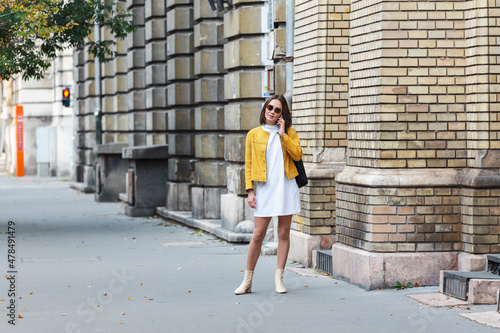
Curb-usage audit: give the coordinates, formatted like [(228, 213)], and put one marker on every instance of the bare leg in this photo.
[(284, 223), (259, 233)]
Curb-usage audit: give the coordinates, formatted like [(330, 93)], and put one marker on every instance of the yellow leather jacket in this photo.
[(255, 155)]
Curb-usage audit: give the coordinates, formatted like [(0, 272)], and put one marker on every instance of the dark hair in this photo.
[(285, 112)]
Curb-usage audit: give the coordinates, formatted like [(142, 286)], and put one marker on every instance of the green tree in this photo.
[(32, 31)]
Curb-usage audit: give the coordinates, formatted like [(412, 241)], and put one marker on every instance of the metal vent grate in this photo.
[(494, 264), (324, 261), (456, 286)]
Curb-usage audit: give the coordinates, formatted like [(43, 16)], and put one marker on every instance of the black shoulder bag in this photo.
[(301, 179)]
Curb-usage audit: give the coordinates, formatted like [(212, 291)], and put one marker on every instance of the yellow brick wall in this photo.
[(320, 100), (407, 105)]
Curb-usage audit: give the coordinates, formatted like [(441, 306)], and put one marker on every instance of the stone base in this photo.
[(483, 291), (382, 270), (472, 262), (233, 210), (82, 187), (212, 226), (302, 246), (206, 203), (178, 196), (139, 211), (88, 184)]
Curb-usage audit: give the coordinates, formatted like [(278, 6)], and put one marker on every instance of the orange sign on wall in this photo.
[(20, 141)]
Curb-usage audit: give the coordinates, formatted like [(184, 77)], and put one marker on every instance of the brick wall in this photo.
[(320, 99), (422, 76)]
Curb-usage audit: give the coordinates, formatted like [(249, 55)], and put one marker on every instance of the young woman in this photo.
[(270, 151)]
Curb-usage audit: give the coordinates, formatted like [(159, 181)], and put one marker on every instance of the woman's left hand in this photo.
[(281, 124)]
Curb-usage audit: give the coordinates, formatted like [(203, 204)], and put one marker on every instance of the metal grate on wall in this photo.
[(324, 261)]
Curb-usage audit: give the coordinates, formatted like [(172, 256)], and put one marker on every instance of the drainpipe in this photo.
[(290, 27), (97, 85)]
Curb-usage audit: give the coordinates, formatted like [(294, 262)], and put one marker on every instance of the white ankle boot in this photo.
[(246, 285), (278, 281)]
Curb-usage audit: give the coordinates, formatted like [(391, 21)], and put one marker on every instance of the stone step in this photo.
[(475, 287)]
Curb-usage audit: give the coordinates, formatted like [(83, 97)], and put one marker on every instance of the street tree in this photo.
[(33, 31)]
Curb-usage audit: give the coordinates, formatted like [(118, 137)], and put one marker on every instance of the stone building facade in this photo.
[(47, 124), (395, 103)]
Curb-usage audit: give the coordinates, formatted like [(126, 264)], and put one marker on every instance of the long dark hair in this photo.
[(285, 112)]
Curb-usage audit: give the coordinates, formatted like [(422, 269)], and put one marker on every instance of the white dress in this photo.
[(278, 195)]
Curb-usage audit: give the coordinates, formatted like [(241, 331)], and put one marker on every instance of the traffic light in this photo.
[(65, 97)]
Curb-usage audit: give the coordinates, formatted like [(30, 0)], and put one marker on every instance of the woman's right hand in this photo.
[(252, 201)]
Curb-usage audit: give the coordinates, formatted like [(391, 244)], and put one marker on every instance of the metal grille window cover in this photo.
[(456, 284), (324, 261), (494, 264)]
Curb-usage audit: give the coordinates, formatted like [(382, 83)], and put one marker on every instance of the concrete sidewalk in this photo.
[(83, 266)]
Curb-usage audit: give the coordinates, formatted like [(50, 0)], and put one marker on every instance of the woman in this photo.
[(270, 151)]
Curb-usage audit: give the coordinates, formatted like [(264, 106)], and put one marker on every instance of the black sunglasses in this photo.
[(271, 108)]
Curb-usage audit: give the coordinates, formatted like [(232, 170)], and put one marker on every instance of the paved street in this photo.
[(83, 266)]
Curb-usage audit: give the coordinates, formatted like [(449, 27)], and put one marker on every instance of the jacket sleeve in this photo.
[(291, 142), (248, 162)]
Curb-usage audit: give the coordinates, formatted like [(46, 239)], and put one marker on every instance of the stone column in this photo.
[(210, 169), (245, 26), (132, 125), (320, 99), (114, 92), (155, 119), (180, 103), (84, 120), (398, 205)]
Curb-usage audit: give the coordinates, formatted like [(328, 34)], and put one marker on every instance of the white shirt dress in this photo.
[(279, 195)]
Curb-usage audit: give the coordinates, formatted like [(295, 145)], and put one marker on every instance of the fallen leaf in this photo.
[(151, 299), (130, 298), (20, 297), (306, 286), (31, 293), (69, 286), (180, 268), (390, 314), (121, 323), (123, 313), (25, 310), (98, 306), (190, 291), (63, 314), (141, 284), (19, 316), (237, 302), (106, 294), (198, 259), (241, 270)]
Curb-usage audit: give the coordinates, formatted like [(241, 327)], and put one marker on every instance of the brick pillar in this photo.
[(180, 103), (480, 197), (209, 112), (398, 206), (320, 99)]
